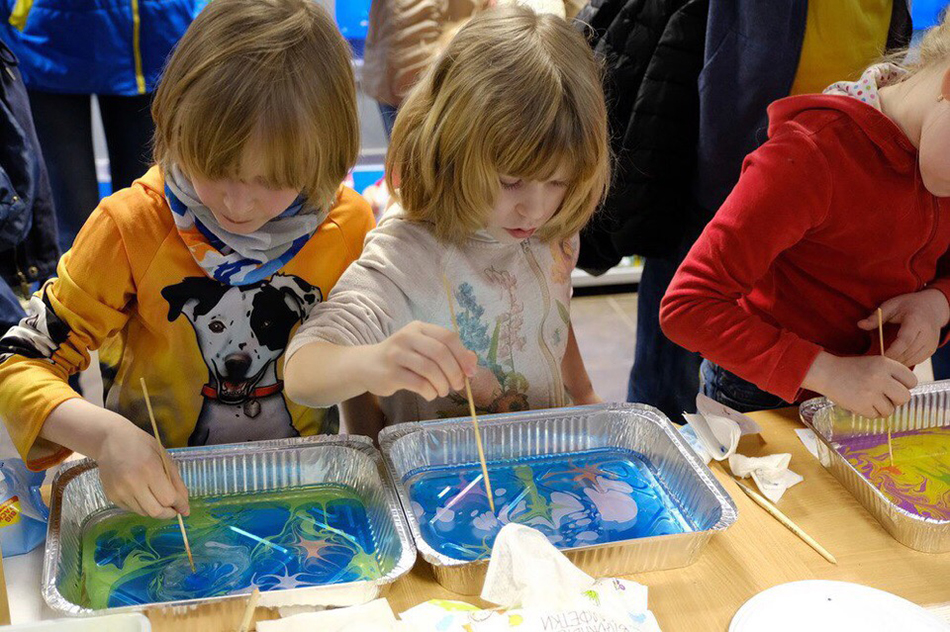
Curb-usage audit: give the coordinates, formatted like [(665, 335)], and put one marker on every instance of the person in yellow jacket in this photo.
[(195, 277)]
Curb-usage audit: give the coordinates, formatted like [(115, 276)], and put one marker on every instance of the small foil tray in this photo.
[(699, 496), (222, 470), (929, 407)]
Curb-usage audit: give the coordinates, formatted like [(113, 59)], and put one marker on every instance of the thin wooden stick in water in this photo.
[(776, 513), (249, 610), (471, 401), (880, 333), (165, 457)]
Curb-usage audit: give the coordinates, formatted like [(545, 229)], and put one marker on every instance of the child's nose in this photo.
[(531, 206), (237, 199)]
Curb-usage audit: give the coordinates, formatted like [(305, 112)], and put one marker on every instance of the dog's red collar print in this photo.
[(211, 392)]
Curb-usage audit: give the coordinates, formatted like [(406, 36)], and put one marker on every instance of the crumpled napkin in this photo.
[(539, 590), (770, 473), (714, 433), (528, 571), (719, 427)]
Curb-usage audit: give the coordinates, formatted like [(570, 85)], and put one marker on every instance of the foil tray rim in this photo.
[(363, 445), (729, 513), (818, 405)]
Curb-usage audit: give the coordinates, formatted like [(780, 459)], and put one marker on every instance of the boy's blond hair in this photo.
[(270, 75), (514, 93)]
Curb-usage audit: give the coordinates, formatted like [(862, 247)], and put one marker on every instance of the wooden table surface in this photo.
[(757, 552)]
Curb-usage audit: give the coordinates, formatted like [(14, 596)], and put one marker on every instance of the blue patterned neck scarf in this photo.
[(231, 258)]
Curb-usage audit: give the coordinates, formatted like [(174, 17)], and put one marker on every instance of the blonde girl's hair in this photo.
[(266, 76), (514, 93), (932, 51)]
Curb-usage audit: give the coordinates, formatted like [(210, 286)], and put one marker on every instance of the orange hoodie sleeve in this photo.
[(71, 315)]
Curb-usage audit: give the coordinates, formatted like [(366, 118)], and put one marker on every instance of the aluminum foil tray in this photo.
[(929, 407), (239, 469), (642, 429)]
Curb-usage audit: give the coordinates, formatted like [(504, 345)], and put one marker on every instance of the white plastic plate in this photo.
[(819, 605)]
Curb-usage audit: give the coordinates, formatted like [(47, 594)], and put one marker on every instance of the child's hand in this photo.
[(130, 467), (871, 386), (422, 358), (921, 316)]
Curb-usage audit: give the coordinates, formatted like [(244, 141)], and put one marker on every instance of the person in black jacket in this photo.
[(688, 84), (28, 244)]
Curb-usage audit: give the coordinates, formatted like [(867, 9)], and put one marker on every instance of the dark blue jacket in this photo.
[(752, 53), (113, 47), (688, 83), (28, 250)]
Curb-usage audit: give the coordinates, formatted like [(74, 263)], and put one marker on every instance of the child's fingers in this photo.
[(440, 353), (897, 394), (130, 503), (868, 323), (168, 496), (922, 349), (904, 375), (882, 408), (412, 381), (429, 369), (906, 338), (466, 359), (180, 503), (120, 502), (917, 356), (889, 310), (869, 407), (148, 499)]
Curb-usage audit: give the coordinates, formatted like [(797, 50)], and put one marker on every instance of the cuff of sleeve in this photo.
[(794, 364), (333, 337), (40, 454)]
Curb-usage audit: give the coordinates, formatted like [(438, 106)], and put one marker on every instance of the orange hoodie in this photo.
[(211, 354)]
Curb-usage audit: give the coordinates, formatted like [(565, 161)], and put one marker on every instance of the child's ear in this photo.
[(945, 86)]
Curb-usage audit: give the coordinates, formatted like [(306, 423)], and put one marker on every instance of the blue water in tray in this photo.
[(576, 499), (308, 536)]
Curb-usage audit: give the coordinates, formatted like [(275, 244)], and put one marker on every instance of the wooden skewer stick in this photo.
[(776, 513), (249, 610), (165, 458), (471, 401), (880, 333)]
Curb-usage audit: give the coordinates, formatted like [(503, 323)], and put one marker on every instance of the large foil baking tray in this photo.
[(929, 407), (216, 471), (644, 430)]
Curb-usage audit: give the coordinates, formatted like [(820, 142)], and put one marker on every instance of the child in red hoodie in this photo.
[(842, 211)]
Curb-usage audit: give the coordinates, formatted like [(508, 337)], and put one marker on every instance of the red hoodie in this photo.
[(829, 219)]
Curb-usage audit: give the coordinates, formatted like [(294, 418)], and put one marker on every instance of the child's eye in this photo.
[(558, 183), (511, 185), (270, 186)]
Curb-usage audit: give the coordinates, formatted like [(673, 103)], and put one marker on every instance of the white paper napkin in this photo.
[(770, 473), (526, 570)]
